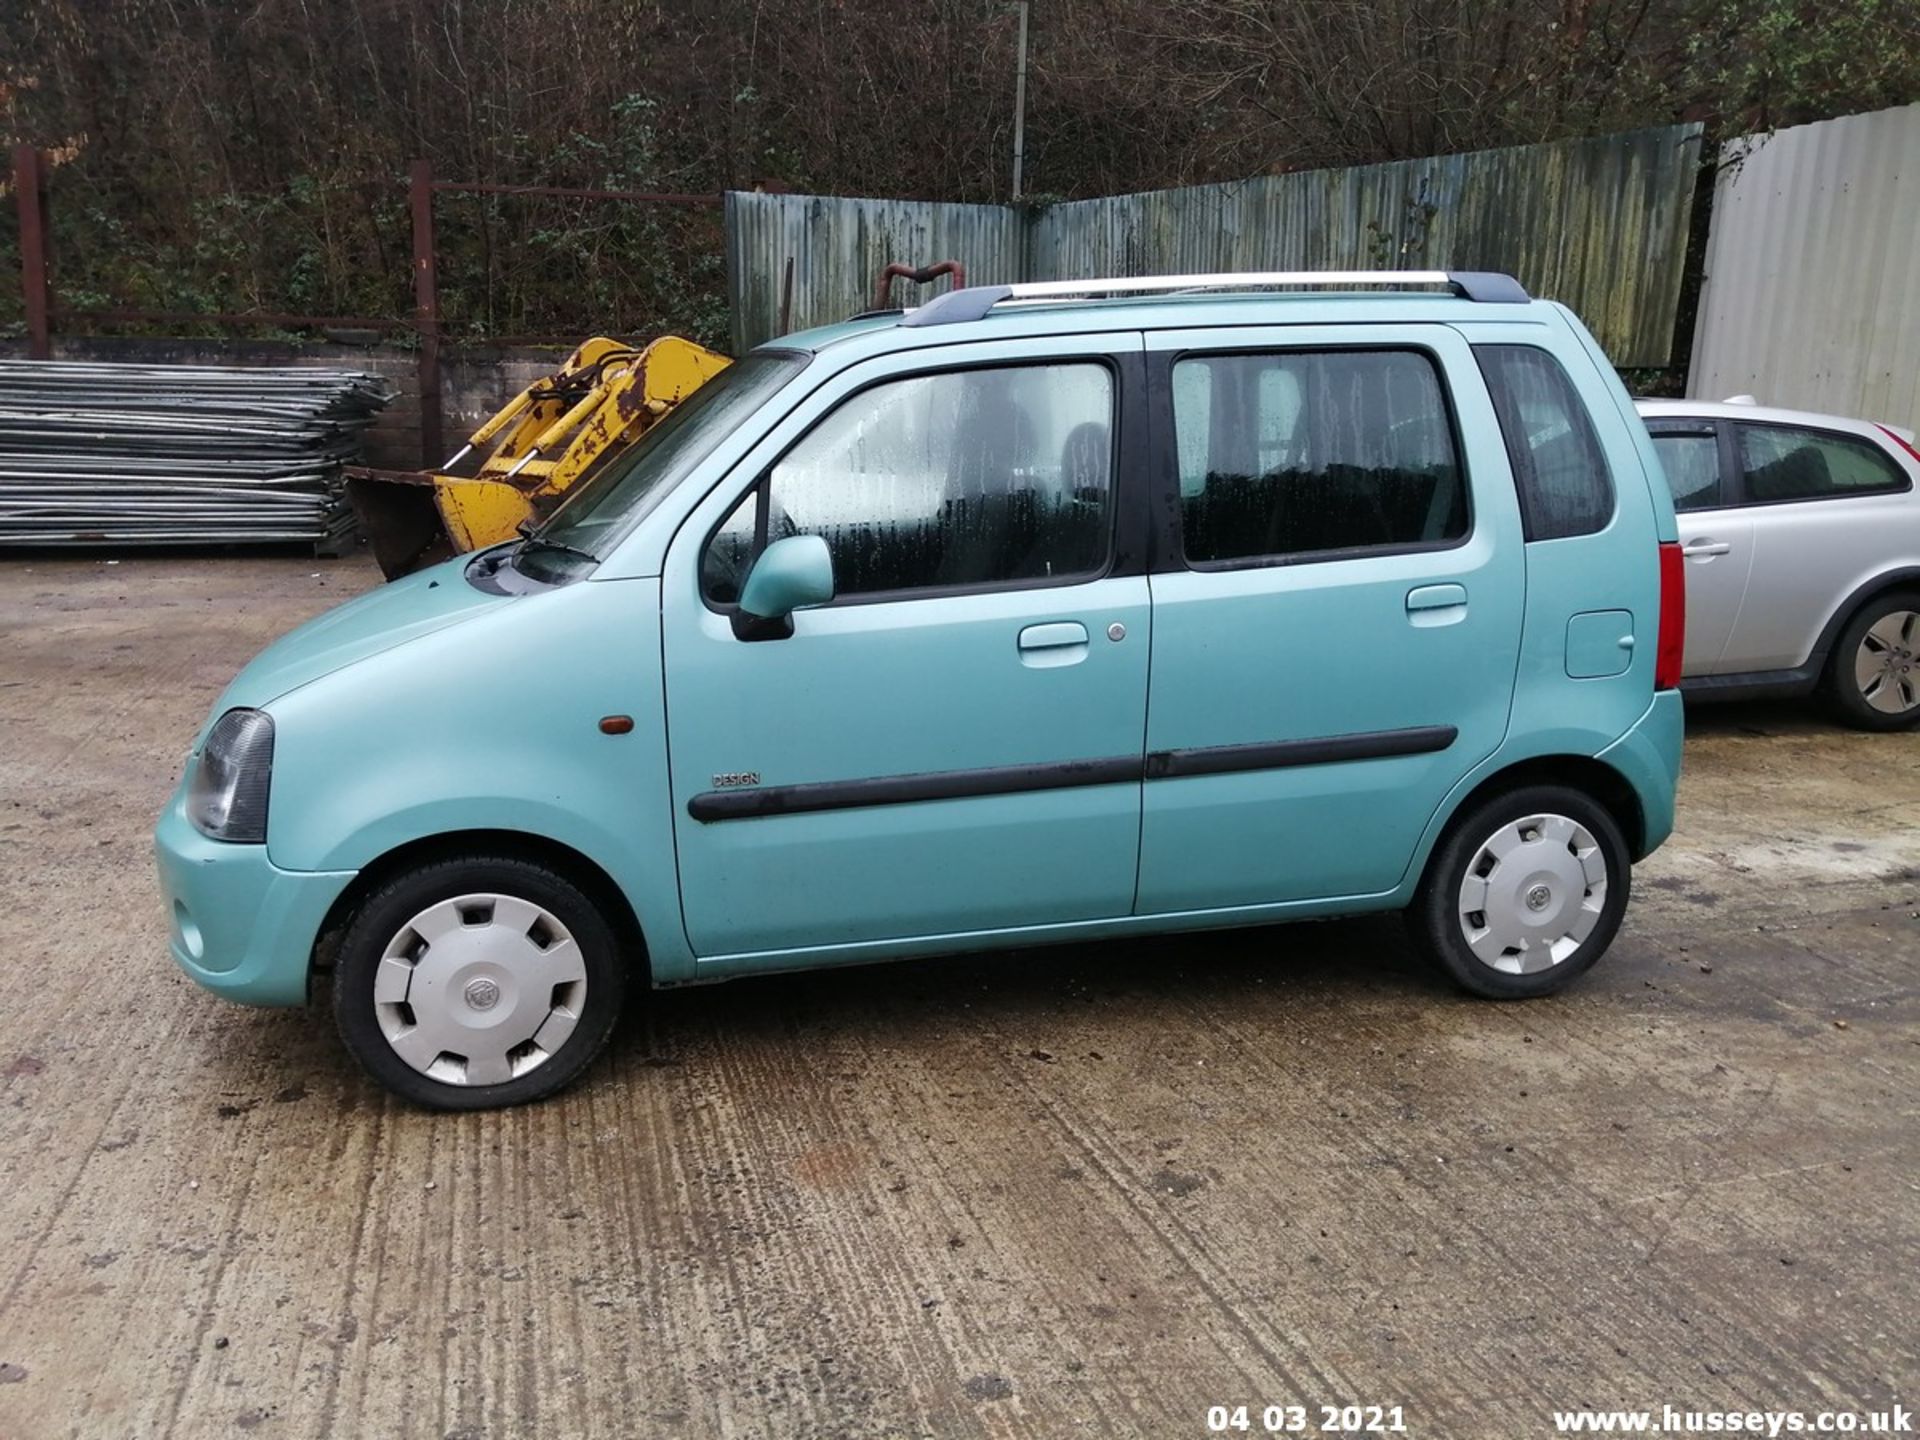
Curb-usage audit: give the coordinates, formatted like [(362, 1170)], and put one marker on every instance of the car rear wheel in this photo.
[(475, 983), (1524, 893), (1873, 678)]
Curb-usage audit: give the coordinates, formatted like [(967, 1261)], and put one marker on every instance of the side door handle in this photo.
[(1064, 642), (1706, 549), (1429, 605), (1052, 637)]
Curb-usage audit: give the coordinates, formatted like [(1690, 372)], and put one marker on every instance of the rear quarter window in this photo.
[(1781, 462), (1558, 465)]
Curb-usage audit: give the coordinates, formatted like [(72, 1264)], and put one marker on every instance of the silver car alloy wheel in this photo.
[(1886, 667), (1532, 894), (479, 989)]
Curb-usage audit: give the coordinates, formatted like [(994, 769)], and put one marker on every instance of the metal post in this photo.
[(1020, 106), (27, 192), (426, 313)]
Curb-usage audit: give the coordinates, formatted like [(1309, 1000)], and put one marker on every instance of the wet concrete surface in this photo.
[(1079, 1191)]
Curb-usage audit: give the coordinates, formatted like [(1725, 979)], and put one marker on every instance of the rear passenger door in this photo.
[(1337, 596)]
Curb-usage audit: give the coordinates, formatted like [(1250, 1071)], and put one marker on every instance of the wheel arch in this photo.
[(1906, 577), (1596, 778), (577, 866)]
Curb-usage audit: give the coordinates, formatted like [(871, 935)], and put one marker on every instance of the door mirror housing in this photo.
[(790, 575)]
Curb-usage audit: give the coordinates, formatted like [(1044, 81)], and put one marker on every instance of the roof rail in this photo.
[(1485, 286)]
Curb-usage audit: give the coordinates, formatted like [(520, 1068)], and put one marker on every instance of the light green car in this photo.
[(1018, 618)]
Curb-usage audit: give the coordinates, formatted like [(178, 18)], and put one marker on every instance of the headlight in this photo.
[(227, 797)]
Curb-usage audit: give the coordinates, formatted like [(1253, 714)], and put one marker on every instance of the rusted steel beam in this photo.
[(507, 342), (230, 319), (29, 197), (426, 310), (648, 197), (924, 275)]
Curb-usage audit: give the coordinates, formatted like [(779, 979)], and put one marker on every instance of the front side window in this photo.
[(1558, 465), (1304, 452), (1782, 463), (1691, 460), (961, 479)]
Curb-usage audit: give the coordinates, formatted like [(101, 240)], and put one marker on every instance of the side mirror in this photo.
[(790, 575)]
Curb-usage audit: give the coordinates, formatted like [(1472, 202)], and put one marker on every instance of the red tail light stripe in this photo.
[(1670, 651), (1894, 435)]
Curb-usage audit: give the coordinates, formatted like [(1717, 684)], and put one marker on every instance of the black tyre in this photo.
[(1873, 675), (475, 983), (1523, 893)]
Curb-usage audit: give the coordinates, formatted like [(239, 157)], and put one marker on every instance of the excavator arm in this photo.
[(537, 447)]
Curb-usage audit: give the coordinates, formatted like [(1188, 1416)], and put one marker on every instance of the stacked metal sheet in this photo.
[(113, 455)]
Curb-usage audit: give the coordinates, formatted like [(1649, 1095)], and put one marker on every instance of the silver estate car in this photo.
[(1802, 542)]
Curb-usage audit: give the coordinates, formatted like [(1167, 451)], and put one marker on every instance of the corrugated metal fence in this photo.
[(1601, 224), (1812, 293), (839, 246)]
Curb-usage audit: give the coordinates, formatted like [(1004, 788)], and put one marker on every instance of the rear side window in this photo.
[(1783, 463), (1303, 452), (1691, 460), (1557, 461), (956, 480)]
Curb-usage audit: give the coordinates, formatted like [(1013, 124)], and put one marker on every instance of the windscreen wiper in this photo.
[(528, 538)]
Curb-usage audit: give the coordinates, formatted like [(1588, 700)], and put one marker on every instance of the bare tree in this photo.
[(225, 154)]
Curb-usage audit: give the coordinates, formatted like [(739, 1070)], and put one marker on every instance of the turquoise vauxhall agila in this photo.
[(1039, 613)]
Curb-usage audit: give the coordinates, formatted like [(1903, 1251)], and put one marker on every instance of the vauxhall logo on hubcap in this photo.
[(483, 994)]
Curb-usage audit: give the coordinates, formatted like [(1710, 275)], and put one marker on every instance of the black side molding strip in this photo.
[(1283, 754), (904, 789), (748, 803)]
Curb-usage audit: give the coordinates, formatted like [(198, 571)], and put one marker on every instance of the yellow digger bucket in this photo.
[(542, 443)]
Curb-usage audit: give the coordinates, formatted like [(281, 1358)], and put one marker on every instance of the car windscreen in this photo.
[(605, 507)]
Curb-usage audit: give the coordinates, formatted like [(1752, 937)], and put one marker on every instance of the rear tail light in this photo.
[(1670, 650), (1898, 439)]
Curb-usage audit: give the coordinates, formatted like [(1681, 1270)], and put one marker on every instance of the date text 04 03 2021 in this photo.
[(1307, 1419)]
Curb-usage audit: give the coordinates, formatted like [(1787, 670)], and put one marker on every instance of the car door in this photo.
[(1829, 511), (953, 745), (1337, 613), (1716, 536)]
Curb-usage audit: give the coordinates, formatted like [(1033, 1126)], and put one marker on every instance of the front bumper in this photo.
[(238, 924), (1649, 756)]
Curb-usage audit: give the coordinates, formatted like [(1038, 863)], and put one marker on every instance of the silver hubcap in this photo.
[(1533, 893), (480, 989), (1887, 665)]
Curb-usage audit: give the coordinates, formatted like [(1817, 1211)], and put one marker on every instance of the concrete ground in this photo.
[(1085, 1191)]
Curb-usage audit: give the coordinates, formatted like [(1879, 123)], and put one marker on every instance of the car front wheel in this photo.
[(474, 983), (1524, 892)]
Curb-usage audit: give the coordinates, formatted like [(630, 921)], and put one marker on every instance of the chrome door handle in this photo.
[(1052, 637), (1706, 549)]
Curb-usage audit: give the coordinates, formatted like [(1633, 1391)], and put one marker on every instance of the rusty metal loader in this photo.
[(542, 443)]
